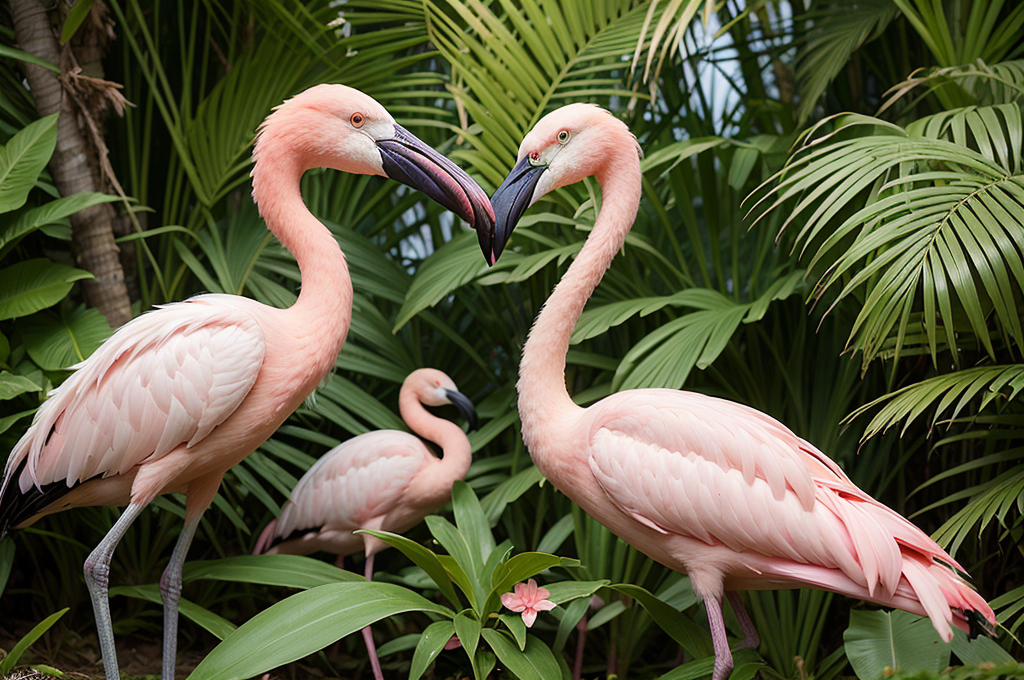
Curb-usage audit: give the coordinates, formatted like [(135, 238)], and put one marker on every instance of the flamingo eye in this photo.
[(437, 383), (563, 136), (357, 120), (535, 155)]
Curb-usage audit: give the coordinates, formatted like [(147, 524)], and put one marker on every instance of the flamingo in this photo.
[(387, 480), (707, 487), (177, 396)]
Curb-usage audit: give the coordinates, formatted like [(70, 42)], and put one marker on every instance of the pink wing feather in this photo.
[(363, 478), (687, 464), (166, 378)]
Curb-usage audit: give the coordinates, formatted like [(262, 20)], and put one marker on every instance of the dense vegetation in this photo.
[(832, 231)]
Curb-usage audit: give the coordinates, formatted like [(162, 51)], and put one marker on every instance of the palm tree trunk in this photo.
[(74, 166)]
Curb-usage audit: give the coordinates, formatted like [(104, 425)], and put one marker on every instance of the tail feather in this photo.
[(19, 508)]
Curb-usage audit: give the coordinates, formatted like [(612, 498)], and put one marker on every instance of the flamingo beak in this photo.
[(408, 160), (465, 406), (510, 201)]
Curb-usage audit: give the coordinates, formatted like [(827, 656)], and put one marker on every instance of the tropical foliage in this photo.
[(832, 231)]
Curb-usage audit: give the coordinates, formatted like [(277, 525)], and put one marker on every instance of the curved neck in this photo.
[(325, 296), (455, 448), (543, 398)]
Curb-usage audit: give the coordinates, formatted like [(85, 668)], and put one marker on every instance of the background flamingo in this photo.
[(384, 480), (179, 395), (710, 488)]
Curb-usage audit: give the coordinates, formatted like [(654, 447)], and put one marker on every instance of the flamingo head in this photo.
[(335, 126), (434, 388), (564, 147)]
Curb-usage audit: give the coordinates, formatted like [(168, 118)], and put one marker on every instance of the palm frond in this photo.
[(936, 227), (837, 32), (957, 390), (982, 84)]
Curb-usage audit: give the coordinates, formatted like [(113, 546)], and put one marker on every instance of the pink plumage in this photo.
[(182, 393), (710, 488), (384, 480)]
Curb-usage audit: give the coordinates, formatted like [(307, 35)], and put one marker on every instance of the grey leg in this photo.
[(367, 633), (97, 579), (751, 640), (723, 657), (170, 593)]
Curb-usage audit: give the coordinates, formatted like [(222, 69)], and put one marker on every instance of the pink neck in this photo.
[(325, 297), (455, 447), (543, 398)]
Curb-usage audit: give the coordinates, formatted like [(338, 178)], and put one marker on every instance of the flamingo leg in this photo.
[(751, 640), (97, 579), (723, 657), (577, 666), (367, 633), (170, 593)]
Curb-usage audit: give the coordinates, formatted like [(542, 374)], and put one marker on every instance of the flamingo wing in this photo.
[(363, 478), (712, 470), (166, 378)]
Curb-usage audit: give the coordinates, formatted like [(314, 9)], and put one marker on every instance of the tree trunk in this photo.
[(74, 166)]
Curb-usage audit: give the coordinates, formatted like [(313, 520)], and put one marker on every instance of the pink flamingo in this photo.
[(178, 395), (710, 488), (385, 480)]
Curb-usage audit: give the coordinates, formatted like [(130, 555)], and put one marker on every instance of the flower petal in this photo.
[(544, 606), (529, 616)]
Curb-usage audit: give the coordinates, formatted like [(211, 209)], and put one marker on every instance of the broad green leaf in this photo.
[(468, 629), (535, 662), (693, 638), (287, 571), (58, 341), (217, 625), (47, 214), (12, 385), (433, 640), (9, 661), (980, 650), (520, 568), (494, 503), (425, 559), (7, 421), (305, 623), (879, 643), (463, 556), (22, 159), (31, 285), (563, 592), (516, 626)]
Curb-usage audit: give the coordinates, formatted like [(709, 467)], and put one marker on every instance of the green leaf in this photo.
[(693, 638), (535, 662), (305, 623), (433, 640), (24, 643), (468, 629), (22, 159), (54, 212), (879, 643), (702, 668), (518, 569), (462, 555), (12, 53), (75, 17), (6, 561), (215, 624), (563, 592), (979, 650), (516, 626), (12, 385), (425, 559), (455, 264), (286, 571), (56, 342), (32, 285), (472, 523), (7, 421)]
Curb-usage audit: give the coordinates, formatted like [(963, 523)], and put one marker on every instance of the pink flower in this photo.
[(528, 599)]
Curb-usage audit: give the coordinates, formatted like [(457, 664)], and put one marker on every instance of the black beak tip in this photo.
[(465, 406)]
